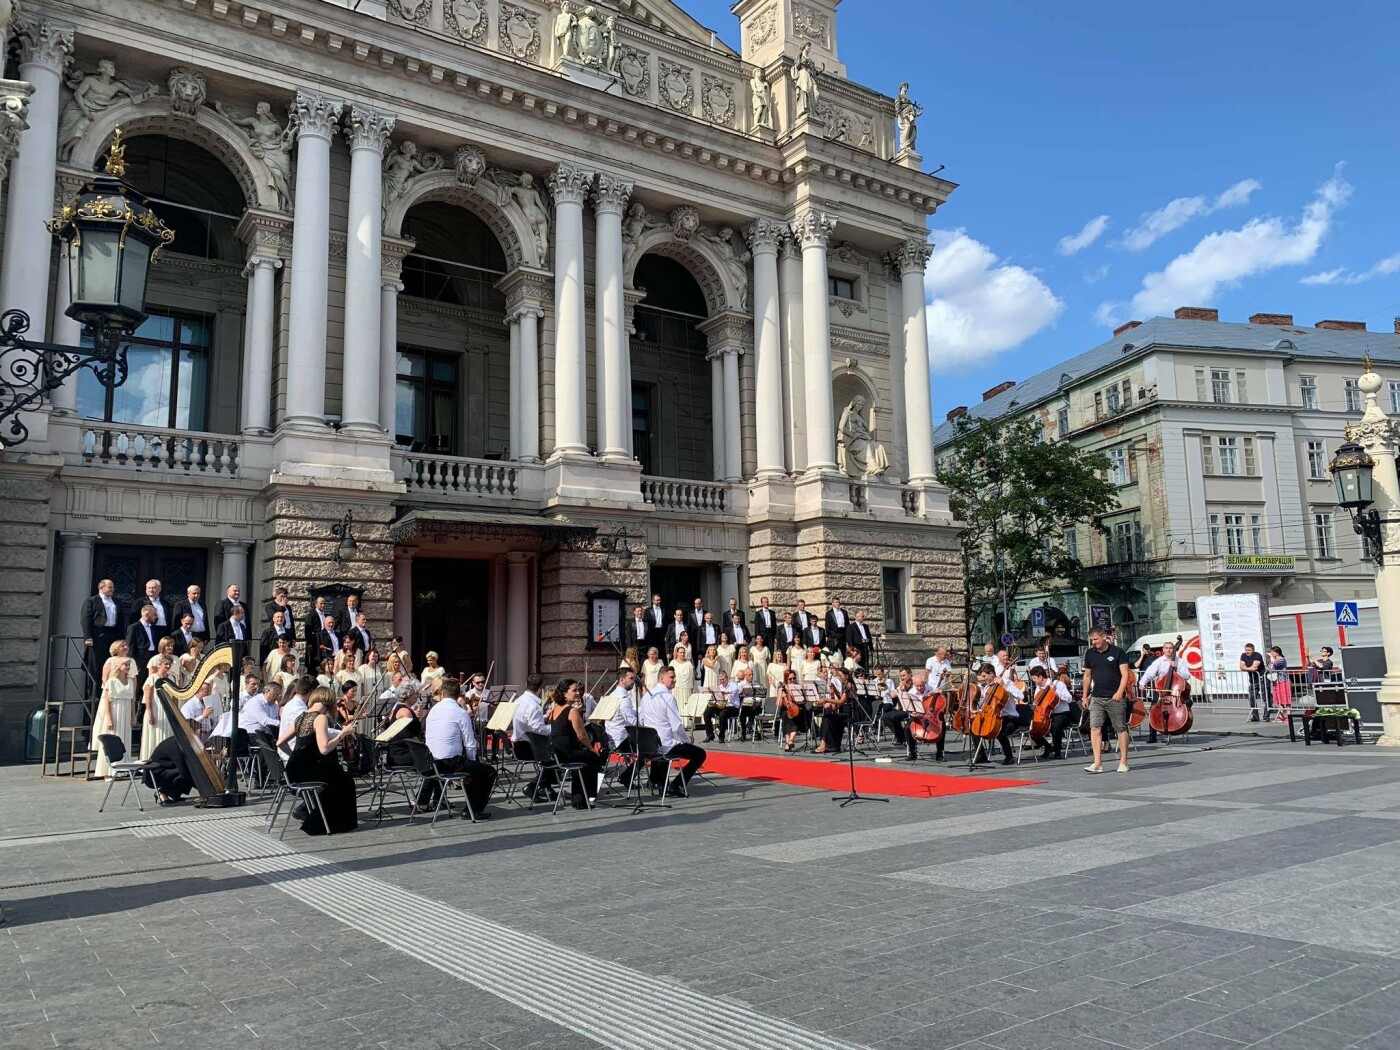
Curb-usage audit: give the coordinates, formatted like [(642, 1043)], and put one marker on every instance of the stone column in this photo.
[(794, 371), (569, 186), (717, 420), (812, 231), (403, 595), (315, 117), (530, 318), (236, 570), (367, 133), (912, 258), (392, 254), (728, 583), (517, 617), (763, 237), (45, 46), (259, 338), (513, 321), (611, 346), (733, 423), (76, 583)]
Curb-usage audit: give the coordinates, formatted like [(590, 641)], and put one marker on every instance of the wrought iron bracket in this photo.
[(30, 371), (1369, 526)]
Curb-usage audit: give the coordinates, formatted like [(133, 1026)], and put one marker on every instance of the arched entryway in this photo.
[(453, 367), (672, 400)]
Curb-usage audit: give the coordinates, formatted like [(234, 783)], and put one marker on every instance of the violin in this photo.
[(1044, 704), (1170, 715), (986, 723), (791, 707)]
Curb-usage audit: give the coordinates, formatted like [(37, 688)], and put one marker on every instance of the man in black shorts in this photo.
[(1105, 690)]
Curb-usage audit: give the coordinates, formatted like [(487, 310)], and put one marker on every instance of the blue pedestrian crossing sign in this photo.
[(1347, 615)]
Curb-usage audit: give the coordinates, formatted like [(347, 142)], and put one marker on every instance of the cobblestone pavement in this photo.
[(1235, 892)]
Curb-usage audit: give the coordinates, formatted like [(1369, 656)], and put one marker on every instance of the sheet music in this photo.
[(389, 732), (502, 717), (695, 705), (908, 702), (606, 709)]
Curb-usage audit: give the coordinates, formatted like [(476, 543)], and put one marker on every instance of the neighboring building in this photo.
[(1219, 436), (554, 301)]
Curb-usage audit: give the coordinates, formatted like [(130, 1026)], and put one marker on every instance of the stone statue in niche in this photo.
[(94, 94), (762, 101), (857, 452), (526, 197), (906, 115), (565, 31), (271, 143), (804, 79), (401, 165), (614, 44)]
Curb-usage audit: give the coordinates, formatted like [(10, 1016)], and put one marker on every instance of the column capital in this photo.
[(610, 194), (315, 115), (912, 256), (728, 331), (525, 286), (265, 234), (236, 545), (78, 539), (812, 229), (14, 108), (44, 42), (569, 184), (765, 235), (527, 310), (368, 128), (256, 260), (519, 557), (392, 252)]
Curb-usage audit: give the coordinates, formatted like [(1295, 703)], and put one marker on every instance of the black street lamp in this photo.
[(111, 238), (341, 531), (1353, 474)]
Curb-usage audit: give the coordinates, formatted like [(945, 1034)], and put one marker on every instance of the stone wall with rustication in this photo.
[(24, 580)]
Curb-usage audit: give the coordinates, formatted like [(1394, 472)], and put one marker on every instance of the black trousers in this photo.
[(593, 764), (481, 778), (1010, 726), (694, 757), (833, 729), (1058, 725), (748, 718), (897, 722), (725, 716)]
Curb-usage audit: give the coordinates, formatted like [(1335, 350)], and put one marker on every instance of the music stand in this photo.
[(853, 795), (811, 701)]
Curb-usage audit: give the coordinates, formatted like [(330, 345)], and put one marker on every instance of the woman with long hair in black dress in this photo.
[(317, 758), (568, 736)]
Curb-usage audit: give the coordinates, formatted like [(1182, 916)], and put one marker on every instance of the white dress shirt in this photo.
[(110, 607), (937, 670), (710, 634), (160, 610), (255, 713), (658, 616), (1012, 695), (287, 717), (1161, 666), (1060, 690), (626, 715), (660, 711), (839, 616), (449, 731), (529, 717), (639, 629), (236, 626), (737, 634), (197, 611), (1048, 663)]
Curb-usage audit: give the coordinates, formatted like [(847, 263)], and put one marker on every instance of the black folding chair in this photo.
[(306, 792), (567, 771), (133, 772), (428, 770)]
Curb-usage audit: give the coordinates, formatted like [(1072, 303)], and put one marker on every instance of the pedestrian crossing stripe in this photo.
[(1347, 614)]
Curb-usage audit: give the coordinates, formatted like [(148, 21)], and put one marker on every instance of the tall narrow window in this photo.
[(167, 381), (1072, 543), (1127, 386), (1324, 539), (427, 396), (1111, 395), (1220, 385), (1317, 460), (1394, 388), (1353, 395), (1256, 531), (643, 430), (893, 586), (1200, 384), (1062, 422), (1098, 404), (1228, 452), (1118, 466), (1234, 534), (1307, 391), (1215, 544), (1241, 395)]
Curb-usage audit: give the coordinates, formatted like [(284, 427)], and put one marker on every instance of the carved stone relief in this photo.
[(675, 83), (188, 90), (402, 165), (271, 142), (466, 18), (763, 26), (520, 31), (810, 23), (685, 221), (634, 67), (91, 95), (418, 12), (469, 162), (717, 101)]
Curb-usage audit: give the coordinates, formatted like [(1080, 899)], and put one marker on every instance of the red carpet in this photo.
[(877, 780)]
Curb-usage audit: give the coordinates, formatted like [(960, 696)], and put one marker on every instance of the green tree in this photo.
[(1017, 495)]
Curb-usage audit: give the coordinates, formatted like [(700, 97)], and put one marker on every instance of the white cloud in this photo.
[(1092, 231), (978, 305), (1389, 265), (1109, 314), (1225, 258), (1095, 276), (1155, 225)]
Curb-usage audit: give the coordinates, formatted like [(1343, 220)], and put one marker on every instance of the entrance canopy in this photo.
[(422, 523)]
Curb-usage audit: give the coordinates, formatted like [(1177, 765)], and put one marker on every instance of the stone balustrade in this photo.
[(159, 449), (710, 497), (458, 475)]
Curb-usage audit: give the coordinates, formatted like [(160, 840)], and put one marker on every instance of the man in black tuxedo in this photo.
[(765, 621), (327, 642), (657, 619), (142, 637), (836, 623), (732, 611), (788, 635), (165, 615), (802, 619), (814, 637), (184, 635), (311, 628), (235, 628), (349, 616), (101, 625), (695, 619), (673, 635), (192, 605), (231, 600), (638, 632), (364, 641), (280, 604), (708, 634), (858, 634), (280, 627), (738, 633)]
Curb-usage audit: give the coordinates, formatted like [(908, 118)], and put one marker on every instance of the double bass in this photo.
[(1170, 715)]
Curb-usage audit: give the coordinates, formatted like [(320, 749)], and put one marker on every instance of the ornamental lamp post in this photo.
[(111, 237), (1364, 473)]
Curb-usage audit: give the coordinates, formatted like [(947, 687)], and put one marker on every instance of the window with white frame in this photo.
[(1062, 422), (1227, 452), (1317, 460), (1220, 385), (1072, 543), (1324, 538), (1353, 395), (1394, 389), (1118, 466), (1227, 534), (1241, 394), (1125, 541), (1256, 532), (1115, 403), (1228, 455), (1307, 390)]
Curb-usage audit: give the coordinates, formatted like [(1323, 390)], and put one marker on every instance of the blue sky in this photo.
[(1118, 160)]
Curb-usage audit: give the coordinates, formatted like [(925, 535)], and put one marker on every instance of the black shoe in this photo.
[(1254, 716), (721, 740), (480, 816), (1008, 761), (983, 761), (938, 756), (1151, 738), (677, 787), (710, 739)]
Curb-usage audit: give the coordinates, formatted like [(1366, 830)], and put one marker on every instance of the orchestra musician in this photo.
[(568, 736), (727, 714), (939, 666), (896, 719), (794, 714), (750, 707), (624, 716), (987, 678), (658, 710), (316, 758), (1168, 665), (451, 739), (1061, 715), (835, 707)]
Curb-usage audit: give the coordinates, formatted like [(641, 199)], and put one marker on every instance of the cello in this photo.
[(1044, 704), (1170, 715), (986, 723), (927, 727), (962, 713), (1137, 710)]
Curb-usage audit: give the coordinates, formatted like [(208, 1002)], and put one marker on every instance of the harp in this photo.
[(208, 781)]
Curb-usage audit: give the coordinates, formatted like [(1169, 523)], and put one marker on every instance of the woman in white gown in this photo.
[(709, 668), (776, 672), (759, 655), (115, 712), (120, 655), (741, 663), (651, 667), (725, 652), (811, 669), (189, 662), (432, 671), (155, 726), (685, 677)]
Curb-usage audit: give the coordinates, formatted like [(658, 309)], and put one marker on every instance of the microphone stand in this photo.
[(853, 796)]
